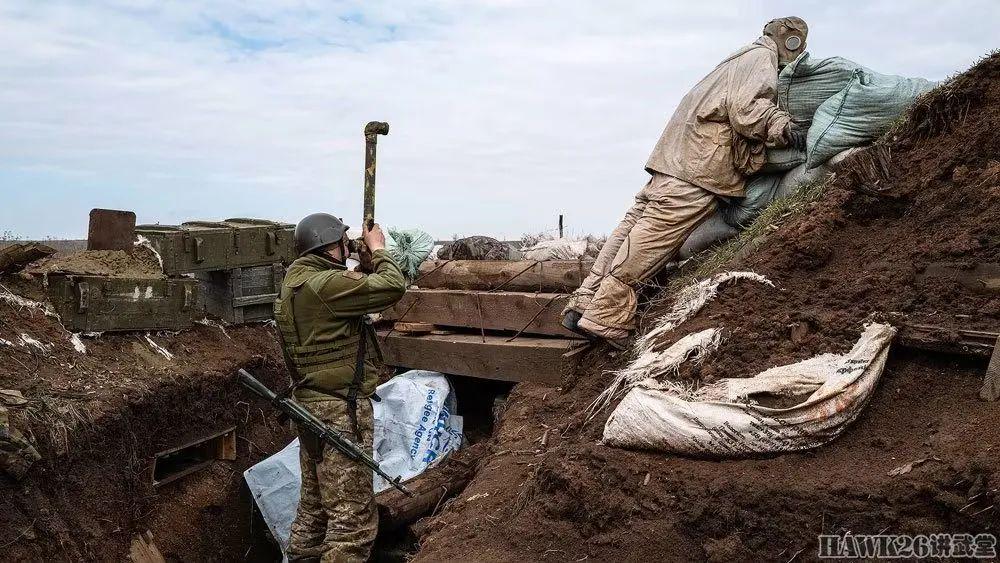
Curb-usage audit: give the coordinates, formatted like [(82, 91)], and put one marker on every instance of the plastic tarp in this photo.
[(415, 427), (409, 248), (864, 109), (721, 421)]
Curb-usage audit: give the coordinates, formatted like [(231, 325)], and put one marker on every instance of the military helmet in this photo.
[(316, 231)]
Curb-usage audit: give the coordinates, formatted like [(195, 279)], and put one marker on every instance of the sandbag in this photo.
[(782, 160), (798, 178), (556, 249), (408, 248), (478, 248), (805, 83), (720, 421), (760, 189), (864, 109), (710, 232)]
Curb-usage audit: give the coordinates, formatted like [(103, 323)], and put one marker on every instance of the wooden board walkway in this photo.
[(530, 313), (541, 360)]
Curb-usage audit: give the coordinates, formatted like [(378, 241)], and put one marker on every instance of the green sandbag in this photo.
[(409, 248), (865, 108), (782, 160), (760, 190), (805, 83)]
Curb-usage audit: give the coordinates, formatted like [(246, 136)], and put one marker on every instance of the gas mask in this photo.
[(790, 36)]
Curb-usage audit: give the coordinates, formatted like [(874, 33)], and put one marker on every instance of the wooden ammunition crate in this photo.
[(242, 295), (201, 246), (100, 303)]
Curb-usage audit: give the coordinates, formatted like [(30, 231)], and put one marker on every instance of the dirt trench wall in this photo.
[(98, 417)]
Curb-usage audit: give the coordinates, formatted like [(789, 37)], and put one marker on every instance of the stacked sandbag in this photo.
[(805, 83), (409, 248), (864, 109)]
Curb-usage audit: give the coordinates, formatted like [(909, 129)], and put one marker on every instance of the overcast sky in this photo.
[(503, 113)]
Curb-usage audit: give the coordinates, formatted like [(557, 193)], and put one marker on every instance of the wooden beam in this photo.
[(518, 275), (430, 489), (540, 360), (951, 341), (532, 313)]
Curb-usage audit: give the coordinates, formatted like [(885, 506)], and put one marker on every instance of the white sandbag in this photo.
[(415, 428), (712, 231), (864, 109), (415, 424), (556, 249), (805, 83), (409, 248), (710, 423)]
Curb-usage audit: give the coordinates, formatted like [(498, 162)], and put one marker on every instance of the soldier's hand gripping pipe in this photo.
[(306, 420)]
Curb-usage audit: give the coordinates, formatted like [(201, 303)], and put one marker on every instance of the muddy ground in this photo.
[(100, 417), (925, 194)]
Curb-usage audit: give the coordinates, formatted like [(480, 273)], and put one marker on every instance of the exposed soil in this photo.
[(923, 196), (140, 262), (99, 418)]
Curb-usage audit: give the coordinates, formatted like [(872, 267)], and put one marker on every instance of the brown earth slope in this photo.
[(924, 194), (99, 417)]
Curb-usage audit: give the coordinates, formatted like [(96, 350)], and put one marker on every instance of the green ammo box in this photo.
[(241, 295), (202, 246), (100, 303)]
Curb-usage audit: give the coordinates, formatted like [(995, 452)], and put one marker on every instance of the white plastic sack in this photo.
[(711, 424), (414, 429), (415, 424), (782, 160), (556, 249)]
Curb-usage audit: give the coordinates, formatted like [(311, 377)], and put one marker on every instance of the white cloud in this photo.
[(503, 113)]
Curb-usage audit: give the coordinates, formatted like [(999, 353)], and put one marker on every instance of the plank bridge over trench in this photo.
[(507, 333)]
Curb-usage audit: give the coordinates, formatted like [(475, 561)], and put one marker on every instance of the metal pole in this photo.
[(560, 226)]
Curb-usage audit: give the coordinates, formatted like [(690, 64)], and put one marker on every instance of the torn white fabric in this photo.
[(78, 344), (29, 341), (214, 324), (159, 349), (692, 299), (653, 364), (19, 301), (144, 243), (656, 418)]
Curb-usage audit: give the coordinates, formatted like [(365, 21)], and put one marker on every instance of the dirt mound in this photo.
[(864, 250), (140, 262)]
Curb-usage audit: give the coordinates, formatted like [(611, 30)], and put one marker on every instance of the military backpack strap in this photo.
[(359, 375)]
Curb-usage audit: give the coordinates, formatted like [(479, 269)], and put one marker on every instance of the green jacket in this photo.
[(320, 311)]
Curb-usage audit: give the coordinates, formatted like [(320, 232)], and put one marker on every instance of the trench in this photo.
[(168, 471)]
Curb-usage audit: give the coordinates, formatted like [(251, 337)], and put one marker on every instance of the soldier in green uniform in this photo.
[(322, 315)]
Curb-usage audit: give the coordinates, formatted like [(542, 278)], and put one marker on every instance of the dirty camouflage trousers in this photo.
[(653, 230), (337, 519)]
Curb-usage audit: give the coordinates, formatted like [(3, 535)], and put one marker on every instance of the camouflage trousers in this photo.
[(337, 518), (653, 230)]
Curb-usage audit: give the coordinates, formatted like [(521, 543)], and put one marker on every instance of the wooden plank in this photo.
[(534, 313), (983, 277), (412, 327), (515, 275), (950, 341), (111, 229), (523, 359)]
